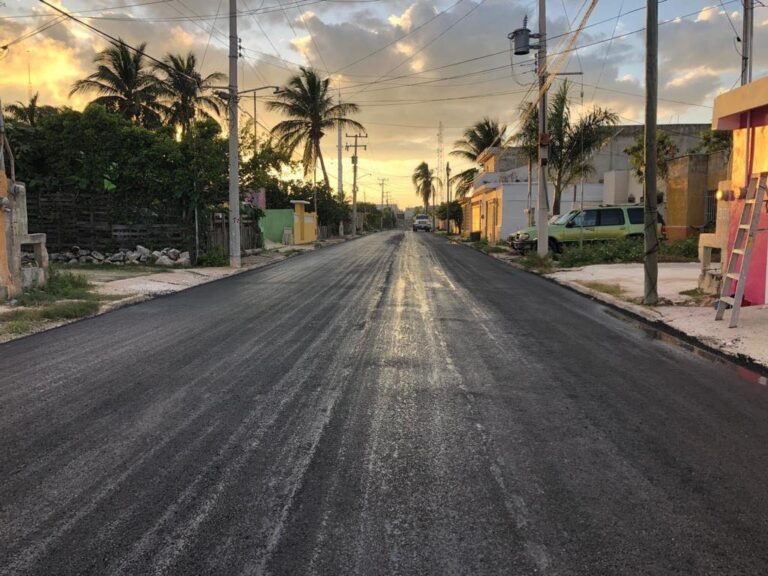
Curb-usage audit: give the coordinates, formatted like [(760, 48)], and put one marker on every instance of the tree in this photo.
[(125, 84), (714, 141), (478, 137), (451, 211), (189, 94), (666, 151), (528, 139), (572, 144), (311, 110), (30, 113), (424, 180)]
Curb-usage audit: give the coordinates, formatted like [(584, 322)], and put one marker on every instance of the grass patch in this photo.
[(17, 327), (614, 290), (60, 286), (69, 310), (532, 261)]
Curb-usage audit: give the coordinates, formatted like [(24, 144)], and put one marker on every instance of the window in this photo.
[(587, 219), (636, 215), (612, 217), (562, 220)]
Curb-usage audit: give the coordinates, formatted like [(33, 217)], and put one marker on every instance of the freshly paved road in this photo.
[(393, 405)]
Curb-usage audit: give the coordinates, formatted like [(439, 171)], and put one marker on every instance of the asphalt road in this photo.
[(393, 405)]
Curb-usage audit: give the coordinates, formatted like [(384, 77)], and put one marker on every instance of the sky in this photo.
[(408, 64)]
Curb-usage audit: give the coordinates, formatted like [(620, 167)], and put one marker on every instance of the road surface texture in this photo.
[(393, 405)]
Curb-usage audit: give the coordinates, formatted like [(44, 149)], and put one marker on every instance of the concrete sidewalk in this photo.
[(689, 313)]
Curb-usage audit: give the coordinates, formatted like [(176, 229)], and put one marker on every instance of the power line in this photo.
[(430, 42), (393, 42)]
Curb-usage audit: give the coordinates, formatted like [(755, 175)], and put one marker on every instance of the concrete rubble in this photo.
[(168, 257)]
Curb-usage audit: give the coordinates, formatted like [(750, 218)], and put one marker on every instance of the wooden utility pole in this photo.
[(542, 212), (355, 146), (651, 296), (234, 148)]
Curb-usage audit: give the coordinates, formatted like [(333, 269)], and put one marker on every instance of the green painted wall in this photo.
[(274, 221)]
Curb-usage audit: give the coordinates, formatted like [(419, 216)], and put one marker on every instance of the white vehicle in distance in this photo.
[(421, 222)]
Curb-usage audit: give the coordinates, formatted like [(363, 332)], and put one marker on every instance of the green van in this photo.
[(590, 225)]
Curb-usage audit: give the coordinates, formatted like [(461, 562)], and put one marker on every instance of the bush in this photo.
[(687, 249), (60, 286), (612, 252), (627, 250), (214, 256)]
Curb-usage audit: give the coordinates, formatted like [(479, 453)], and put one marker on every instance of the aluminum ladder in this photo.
[(738, 264)]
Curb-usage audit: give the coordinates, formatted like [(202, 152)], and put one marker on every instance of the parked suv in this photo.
[(590, 225), (421, 222)]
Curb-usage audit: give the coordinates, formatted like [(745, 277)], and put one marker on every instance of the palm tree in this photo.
[(311, 111), (187, 91), (481, 135), (424, 180), (528, 140), (572, 145), (125, 84), (30, 114)]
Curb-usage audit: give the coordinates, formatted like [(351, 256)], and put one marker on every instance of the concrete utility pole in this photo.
[(447, 197), (339, 146), (355, 146), (439, 171), (651, 296), (381, 183), (234, 150), (746, 46), (542, 213)]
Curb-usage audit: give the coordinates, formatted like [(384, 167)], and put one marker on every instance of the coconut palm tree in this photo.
[(528, 139), (572, 144), (424, 180), (481, 135), (188, 93), (31, 113), (311, 111), (125, 84)]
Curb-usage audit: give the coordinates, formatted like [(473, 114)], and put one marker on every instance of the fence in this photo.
[(218, 233), (70, 218)]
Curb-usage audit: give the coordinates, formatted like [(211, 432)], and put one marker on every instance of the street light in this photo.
[(218, 91)]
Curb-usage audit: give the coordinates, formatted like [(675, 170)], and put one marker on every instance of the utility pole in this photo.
[(542, 213), (651, 296), (381, 183), (355, 146), (447, 197), (234, 150), (746, 47), (339, 146), (439, 171)]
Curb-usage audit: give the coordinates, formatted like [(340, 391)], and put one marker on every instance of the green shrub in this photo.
[(214, 256), (611, 252), (627, 250), (17, 327), (60, 286), (687, 249)]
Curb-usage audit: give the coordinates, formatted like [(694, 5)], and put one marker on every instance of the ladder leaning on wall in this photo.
[(734, 280)]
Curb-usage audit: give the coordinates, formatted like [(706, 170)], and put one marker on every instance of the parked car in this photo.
[(421, 222), (591, 225)]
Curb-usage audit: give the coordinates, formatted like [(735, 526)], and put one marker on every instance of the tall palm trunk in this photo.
[(322, 164)]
